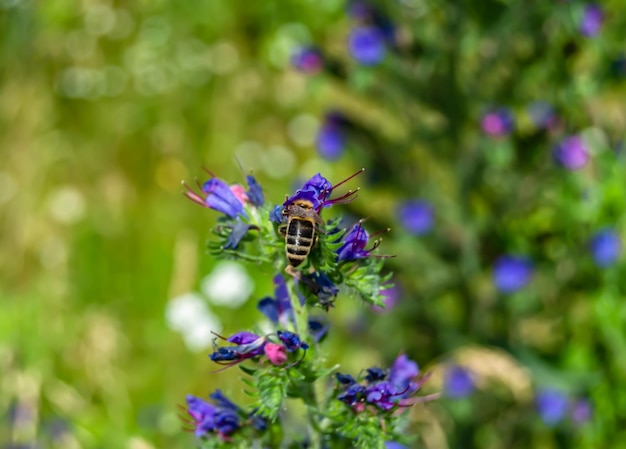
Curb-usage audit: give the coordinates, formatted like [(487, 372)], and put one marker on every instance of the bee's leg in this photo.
[(291, 271), (282, 230)]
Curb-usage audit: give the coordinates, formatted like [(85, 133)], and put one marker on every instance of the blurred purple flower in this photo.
[(392, 295), (552, 406), (278, 309), (394, 445), (402, 374), (571, 153), (331, 140), (367, 45), (591, 21), (511, 273), (307, 60), (497, 122), (208, 418), (369, 14), (416, 216), (605, 247), (321, 286), (581, 411), (458, 382)]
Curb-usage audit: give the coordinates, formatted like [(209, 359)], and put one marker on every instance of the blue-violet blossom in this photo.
[(591, 21), (498, 122), (571, 153), (317, 191), (416, 216), (605, 247), (511, 273), (354, 243), (366, 44), (552, 406), (331, 139), (308, 60), (221, 419), (458, 382)]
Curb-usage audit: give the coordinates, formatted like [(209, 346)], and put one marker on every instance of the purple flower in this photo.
[(391, 297), (383, 395), (552, 406), (352, 395), (316, 192), (207, 418), (216, 194), (318, 329), (354, 243), (278, 309), (238, 231), (366, 44), (308, 60), (369, 14), (394, 445), (375, 374), (581, 411), (511, 273), (605, 247), (254, 192), (382, 390), (246, 346), (331, 139), (291, 341), (276, 215), (416, 216), (591, 21), (403, 373), (222, 401), (458, 382), (498, 122), (321, 286), (230, 200), (345, 379), (572, 153)]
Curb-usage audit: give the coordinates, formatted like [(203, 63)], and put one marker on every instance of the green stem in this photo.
[(308, 395), (300, 311)]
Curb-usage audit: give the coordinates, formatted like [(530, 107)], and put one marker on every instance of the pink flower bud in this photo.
[(277, 354)]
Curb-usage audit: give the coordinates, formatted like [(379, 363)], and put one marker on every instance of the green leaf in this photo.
[(272, 388)]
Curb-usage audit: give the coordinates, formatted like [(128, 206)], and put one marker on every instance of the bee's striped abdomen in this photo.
[(299, 240)]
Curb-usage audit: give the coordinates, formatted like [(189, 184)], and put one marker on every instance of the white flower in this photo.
[(228, 285)]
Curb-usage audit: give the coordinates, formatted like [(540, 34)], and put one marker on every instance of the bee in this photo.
[(300, 231), (304, 220)]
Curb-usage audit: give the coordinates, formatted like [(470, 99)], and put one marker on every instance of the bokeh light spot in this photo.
[(302, 128), (228, 285), (66, 205), (278, 162)]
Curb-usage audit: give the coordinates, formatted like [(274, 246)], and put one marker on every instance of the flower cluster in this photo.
[(222, 417), (384, 389), (247, 345), (554, 406), (338, 258)]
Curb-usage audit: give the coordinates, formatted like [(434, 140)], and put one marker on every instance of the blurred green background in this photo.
[(105, 106)]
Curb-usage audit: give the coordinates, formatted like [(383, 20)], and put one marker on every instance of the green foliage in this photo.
[(272, 385)]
